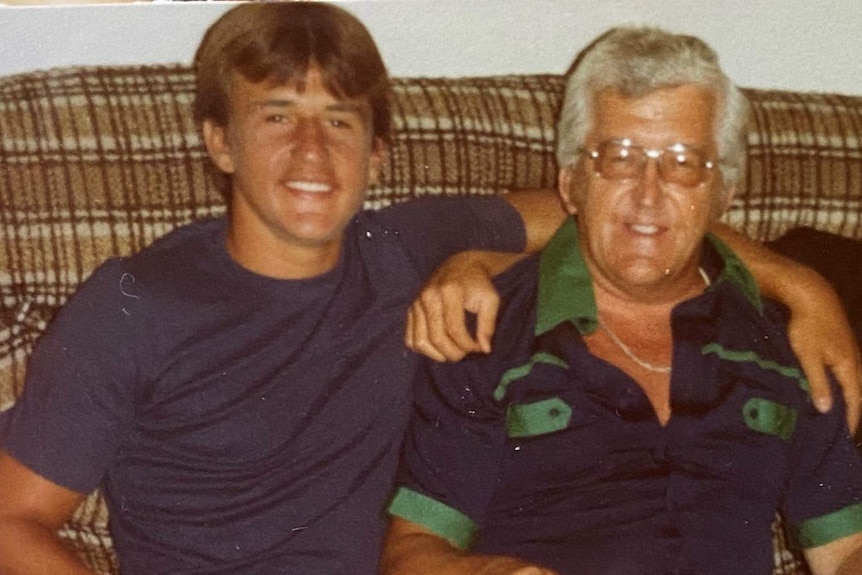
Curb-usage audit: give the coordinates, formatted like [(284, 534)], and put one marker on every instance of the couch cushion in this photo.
[(93, 163)]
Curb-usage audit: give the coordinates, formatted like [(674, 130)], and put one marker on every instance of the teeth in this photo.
[(312, 187), (645, 228)]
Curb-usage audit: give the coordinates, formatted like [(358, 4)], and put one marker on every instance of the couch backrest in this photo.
[(96, 162)]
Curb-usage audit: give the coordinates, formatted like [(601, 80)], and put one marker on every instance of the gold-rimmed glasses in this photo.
[(681, 164)]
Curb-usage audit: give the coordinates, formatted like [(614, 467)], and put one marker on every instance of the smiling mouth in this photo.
[(309, 187), (647, 229)]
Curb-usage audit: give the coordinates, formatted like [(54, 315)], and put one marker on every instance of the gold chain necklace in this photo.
[(627, 350)]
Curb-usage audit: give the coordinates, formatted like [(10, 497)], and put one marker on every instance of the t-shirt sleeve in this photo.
[(452, 451), (76, 404), (433, 229), (824, 500)]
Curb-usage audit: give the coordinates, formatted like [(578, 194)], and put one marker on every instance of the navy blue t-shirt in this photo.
[(240, 424), (546, 452)]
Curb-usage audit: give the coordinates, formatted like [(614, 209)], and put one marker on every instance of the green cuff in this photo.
[(443, 520), (827, 528)]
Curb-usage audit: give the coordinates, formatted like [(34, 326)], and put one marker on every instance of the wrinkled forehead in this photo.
[(686, 114)]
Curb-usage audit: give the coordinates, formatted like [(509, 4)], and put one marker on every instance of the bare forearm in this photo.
[(490, 263), (411, 550), (852, 565), (777, 276), (417, 558), (420, 554), (27, 548), (839, 557)]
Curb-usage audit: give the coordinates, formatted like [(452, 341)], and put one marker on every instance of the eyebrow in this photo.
[(359, 108)]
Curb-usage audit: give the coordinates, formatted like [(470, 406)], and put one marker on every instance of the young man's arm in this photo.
[(820, 333), (542, 213), (410, 549), (32, 509)]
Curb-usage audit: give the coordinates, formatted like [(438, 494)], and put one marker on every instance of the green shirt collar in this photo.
[(566, 291)]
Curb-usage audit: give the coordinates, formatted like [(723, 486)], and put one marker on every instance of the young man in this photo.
[(642, 411), (239, 389)]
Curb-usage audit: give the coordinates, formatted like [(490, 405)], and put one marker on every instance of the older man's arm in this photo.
[(840, 557), (32, 509), (410, 549)]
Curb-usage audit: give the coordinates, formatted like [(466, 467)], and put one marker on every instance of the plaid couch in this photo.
[(96, 162)]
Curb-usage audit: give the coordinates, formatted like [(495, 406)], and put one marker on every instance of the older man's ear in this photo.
[(722, 202), (567, 184)]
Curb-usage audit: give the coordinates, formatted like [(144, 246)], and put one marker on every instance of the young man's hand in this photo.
[(437, 321), (436, 324), (823, 340)]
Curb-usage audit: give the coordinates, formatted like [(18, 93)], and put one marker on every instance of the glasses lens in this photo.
[(617, 161), (682, 165)]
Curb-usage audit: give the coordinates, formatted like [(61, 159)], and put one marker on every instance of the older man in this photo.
[(642, 411)]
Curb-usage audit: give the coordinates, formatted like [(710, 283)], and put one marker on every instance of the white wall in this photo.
[(785, 44)]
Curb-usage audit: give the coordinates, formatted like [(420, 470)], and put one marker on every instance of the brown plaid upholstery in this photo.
[(805, 165), (96, 162)]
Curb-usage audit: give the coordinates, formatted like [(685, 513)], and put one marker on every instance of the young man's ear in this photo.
[(566, 187), (218, 147), (376, 160)]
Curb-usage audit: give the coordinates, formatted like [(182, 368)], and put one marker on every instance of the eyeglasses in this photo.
[(680, 164)]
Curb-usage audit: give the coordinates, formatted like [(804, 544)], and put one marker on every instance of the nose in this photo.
[(309, 139), (649, 183)]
